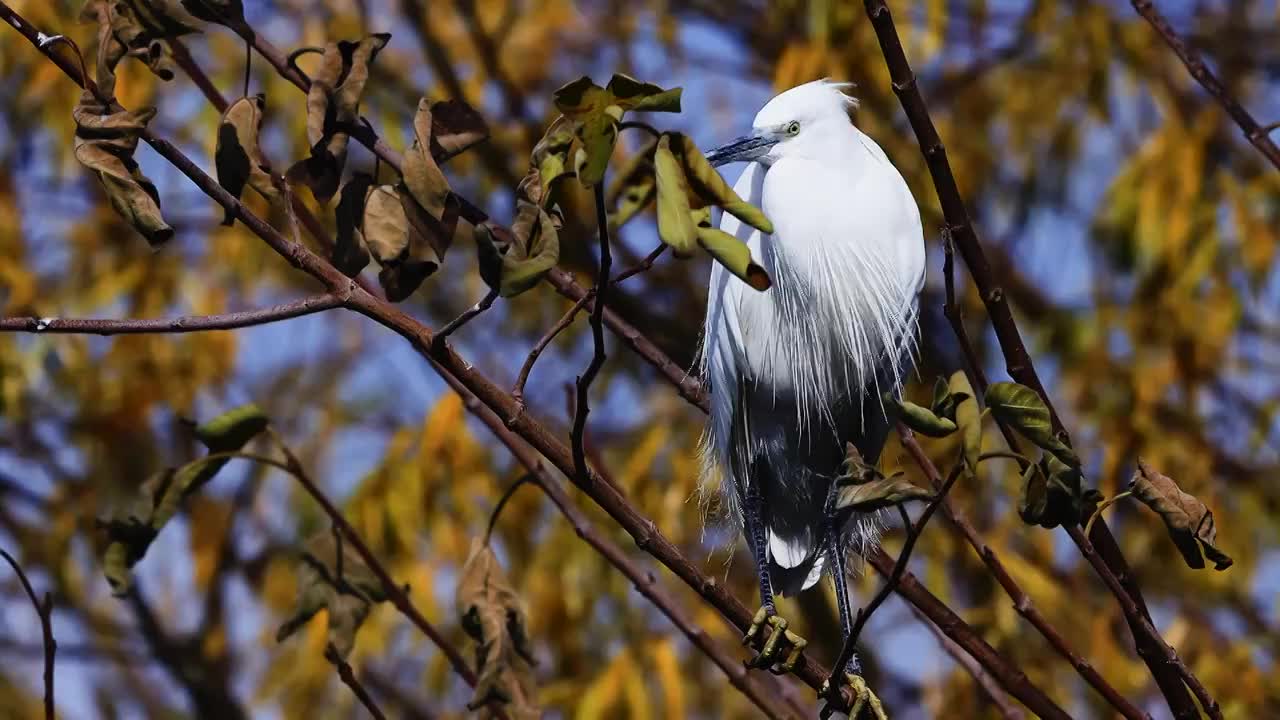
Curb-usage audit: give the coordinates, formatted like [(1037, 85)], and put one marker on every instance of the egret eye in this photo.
[(793, 128)]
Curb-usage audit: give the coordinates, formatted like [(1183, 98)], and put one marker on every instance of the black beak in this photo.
[(744, 149)]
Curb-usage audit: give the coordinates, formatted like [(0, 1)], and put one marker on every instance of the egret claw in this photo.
[(863, 699), (778, 641)]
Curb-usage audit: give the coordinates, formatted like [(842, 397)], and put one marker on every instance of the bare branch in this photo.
[(349, 679), (45, 611), (467, 316), (517, 390), (184, 324), (597, 336), (1257, 134)]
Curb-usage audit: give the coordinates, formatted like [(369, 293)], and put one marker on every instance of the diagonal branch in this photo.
[(45, 611), (1256, 134), (184, 324), (1112, 566)]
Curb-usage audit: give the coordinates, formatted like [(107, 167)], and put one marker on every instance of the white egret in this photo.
[(797, 371)]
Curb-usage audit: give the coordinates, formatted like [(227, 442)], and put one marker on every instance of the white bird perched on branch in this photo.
[(799, 370)]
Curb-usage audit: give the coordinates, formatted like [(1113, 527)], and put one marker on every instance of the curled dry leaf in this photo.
[(494, 617), (513, 261), (423, 177), (865, 489), (634, 185), (350, 254), (333, 107), (1189, 521), (1022, 408), (388, 234), (131, 530), (551, 154), (138, 29), (455, 127), (332, 576), (104, 143), (238, 157)]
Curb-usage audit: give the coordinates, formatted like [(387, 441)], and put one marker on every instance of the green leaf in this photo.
[(1189, 521), (631, 94), (595, 113), (339, 582), (1022, 408), (968, 418), (634, 185), (921, 419), (599, 133), (707, 187), (551, 155), (131, 530), (1033, 500), (675, 224), (734, 254)]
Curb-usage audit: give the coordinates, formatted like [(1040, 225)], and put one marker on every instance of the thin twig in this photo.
[(467, 316), (184, 324), (349, 679), (1021, 601), (1004, 704), (517, 390), (502, 502), (900, 567), (1017, 359), (1257, 134), (597, 335), (45, 611)]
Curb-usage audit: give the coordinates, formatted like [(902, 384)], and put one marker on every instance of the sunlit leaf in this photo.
[(675, 222), (1022, 408), (968, 418)]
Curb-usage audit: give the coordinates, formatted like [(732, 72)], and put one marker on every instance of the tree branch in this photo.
[(45, 611), (184, 324), (349, 679), (1256, 134), (1017, 360), (597, 336)]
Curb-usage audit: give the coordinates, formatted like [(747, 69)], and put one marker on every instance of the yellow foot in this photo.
[(776, 645), (863, 699)]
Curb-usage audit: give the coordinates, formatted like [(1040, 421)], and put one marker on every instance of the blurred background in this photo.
[(1133, 228)]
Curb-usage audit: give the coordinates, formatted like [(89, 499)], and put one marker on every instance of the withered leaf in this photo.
[(493, 616), (426, 182), (138, 29), (333, 107), (131, 530), (513, 262), (104, 143), (332, 576), (350, 255), (406, 258), (551, 154), (238, 157), (1024, 409), (1189, 521), (878, 494), (455, 127), (634, 185)]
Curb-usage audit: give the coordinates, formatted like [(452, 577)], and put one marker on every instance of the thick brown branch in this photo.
[(185, 324), (45, 611), (1258, 135)]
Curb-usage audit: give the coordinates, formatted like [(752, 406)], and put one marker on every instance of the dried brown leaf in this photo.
[(514, 261), (350, 254), (238, 157), (492, 614), (337, 581), (424, 179), (1189, 521), (104, 143)]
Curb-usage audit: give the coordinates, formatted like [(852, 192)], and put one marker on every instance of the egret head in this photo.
[(797, 121)]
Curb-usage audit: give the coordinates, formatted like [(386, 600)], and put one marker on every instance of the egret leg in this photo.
[(780, 636), (837, 548)]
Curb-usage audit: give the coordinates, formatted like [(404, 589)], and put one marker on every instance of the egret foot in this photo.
[(776, 644), (863, 699)]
